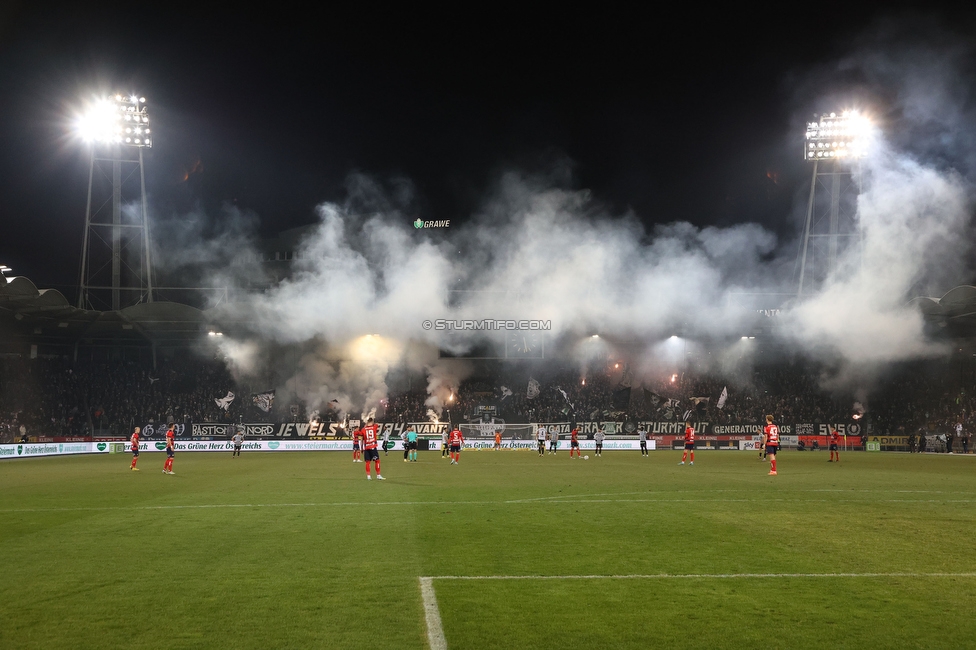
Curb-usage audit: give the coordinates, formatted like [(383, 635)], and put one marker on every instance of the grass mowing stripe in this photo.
[(561, 501), (564, 501), (85, 539)]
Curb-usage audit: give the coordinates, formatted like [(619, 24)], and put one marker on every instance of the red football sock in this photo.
[(692, 456), (774, 464), (377, 461), (838, 456), (133, 463), (684, 456)]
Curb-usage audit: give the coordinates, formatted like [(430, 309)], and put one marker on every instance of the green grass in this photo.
[(315, 556)]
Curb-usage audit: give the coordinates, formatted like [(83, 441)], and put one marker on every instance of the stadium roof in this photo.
[(955, 310), (46, 316)]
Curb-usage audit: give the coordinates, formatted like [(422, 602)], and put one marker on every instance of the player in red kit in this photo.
[(771, 442), (135, 449), (689, 444), (834, 441), (370, 436), (356, 455), (574, 442), (456, 439), (170, 450)]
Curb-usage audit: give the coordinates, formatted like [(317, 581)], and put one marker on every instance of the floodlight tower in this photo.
[(118, 131), (834, 144)]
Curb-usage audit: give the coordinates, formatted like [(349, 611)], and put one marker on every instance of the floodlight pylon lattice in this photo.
[(116, 260), (834, 144)]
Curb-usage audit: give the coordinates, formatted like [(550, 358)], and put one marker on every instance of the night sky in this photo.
[(693, 115)]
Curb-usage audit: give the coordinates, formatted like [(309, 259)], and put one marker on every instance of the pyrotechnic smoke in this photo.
[(443, 380), (555, 254), (194, 248)]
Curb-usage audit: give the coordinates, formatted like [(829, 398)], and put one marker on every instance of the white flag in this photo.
[(263, 401), (721, 398), (224, 402)]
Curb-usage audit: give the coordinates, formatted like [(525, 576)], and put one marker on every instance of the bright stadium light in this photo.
[(118, 120), (833, 137)]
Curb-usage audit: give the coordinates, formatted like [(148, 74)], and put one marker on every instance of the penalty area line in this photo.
[(432, 614), (703, 576), (435, 629)]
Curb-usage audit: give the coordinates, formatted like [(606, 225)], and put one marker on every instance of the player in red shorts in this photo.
[(170, 450), (689, 444), (834, 441), (456, 439), (135, 449), (574, 442), (356, 455), (771, 442), (370, 436)]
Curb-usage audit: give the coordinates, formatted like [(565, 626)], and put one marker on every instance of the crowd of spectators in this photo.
[(792, 394), (63, 398)]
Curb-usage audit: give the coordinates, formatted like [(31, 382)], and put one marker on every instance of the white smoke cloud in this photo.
[(535, 251), (194, 248)]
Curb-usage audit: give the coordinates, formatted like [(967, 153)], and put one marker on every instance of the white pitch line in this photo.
[(560, 501), (435, 631), (703, 576), (578, 496)]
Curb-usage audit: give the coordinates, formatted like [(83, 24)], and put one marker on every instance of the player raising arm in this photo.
[(370, 436), (135, 449), (771, 443)]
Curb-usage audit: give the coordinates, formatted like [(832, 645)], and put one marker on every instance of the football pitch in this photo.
[(505, 550)]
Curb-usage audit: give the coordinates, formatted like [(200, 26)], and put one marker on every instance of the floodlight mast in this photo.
[(834, 144), (118, 130)]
